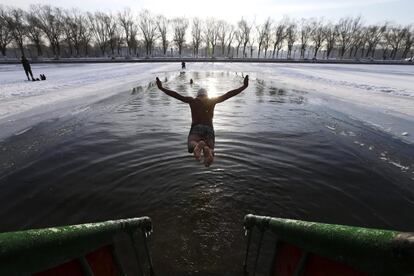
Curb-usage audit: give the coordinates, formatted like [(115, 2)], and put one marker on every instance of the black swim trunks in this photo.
[(205, 132)]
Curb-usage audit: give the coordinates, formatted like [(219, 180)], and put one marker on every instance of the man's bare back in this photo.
[(202, 110), (201, 138)]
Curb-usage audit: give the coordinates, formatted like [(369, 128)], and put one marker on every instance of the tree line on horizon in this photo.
[(48, 31)]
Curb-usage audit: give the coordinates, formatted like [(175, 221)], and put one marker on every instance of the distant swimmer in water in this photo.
[(27, 68), (201, 137)]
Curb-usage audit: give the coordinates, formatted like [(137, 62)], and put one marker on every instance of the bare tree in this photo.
[(244, 30), (239, 39), (34, 32), (5, 37), (16, 26), (206, 37), (263, 34), (279, 36), (77, 28), (251, 44), (211, 35), (119, 38), (126, 21), (148, 27), (374, 35), (267, 41), (50, 21), (395, 37), (224, 30), (408, 40), (385, 44), (361, 42), (346, 28), (98, 22), (230, 37), (213, 28), (67, 27), (180, 25), (111, 30), (196, 29), (344, 34), (291, 37), (317, 35), (85, 32), (330, 33), (357, 39), (304, 34), (134, 41), (162, 27)]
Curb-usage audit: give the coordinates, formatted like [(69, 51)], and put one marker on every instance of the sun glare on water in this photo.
[(210, 84)]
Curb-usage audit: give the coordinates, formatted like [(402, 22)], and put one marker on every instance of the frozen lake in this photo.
[(329, 143), (376, 94)]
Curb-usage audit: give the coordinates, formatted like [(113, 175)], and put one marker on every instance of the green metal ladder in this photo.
[(373, 251), (31, 251)]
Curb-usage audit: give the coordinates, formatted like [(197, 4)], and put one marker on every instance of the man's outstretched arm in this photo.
[(234, 92), (172, 93)]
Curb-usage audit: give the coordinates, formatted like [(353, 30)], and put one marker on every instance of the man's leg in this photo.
[(208, 156), (193, 140), (195, 145), (198, 148), (27, 74), (208, 151), (31, 74)]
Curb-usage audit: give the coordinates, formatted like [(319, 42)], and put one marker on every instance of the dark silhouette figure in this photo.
[(183, 65), (191, 81), (27, 68), (201, 138), (42, 77)]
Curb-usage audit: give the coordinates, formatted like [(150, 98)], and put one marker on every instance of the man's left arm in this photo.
[(234, 92)]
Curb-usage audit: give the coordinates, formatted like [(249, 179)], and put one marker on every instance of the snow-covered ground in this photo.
[(380, 95), (67, 82)]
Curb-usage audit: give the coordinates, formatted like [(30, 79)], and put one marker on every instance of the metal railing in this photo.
[(374, 251), (37, 250)]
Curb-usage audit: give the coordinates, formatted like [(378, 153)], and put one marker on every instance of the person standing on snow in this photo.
[(27, 68)]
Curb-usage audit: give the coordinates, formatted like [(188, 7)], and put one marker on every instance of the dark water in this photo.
[(278, 152)]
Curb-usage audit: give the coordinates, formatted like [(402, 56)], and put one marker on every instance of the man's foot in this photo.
[(197, 150), (208, 156)]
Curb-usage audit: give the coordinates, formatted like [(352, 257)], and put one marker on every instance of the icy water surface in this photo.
[(279, 152)]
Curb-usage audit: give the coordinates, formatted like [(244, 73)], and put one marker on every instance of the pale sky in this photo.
[(373, 11)]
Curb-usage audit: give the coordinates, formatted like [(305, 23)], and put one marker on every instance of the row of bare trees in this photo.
[(73, 33)]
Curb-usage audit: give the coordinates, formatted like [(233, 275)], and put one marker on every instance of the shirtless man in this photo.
[(201, 137)]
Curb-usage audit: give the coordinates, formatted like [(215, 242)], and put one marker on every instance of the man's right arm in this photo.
[(172, 93)]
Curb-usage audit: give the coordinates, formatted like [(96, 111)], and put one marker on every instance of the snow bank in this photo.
[(68, 81)]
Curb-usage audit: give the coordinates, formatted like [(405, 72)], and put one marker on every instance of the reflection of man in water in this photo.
[(27, 68), (201, 137)]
